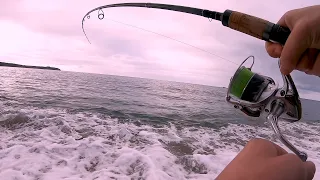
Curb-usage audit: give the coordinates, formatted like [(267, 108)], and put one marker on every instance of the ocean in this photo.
[(67, 125)]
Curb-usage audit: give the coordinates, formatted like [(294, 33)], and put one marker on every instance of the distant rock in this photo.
[(24, 66)]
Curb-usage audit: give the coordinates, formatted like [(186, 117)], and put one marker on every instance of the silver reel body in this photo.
[(260, 96)]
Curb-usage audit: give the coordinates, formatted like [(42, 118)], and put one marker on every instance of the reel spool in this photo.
[(260, 96)]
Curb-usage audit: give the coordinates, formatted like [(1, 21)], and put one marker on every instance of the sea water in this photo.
[(66, 125)]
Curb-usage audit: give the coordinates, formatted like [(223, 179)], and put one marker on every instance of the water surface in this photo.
[(66, 125)]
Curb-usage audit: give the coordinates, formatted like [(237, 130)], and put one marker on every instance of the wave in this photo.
[(54, 144)]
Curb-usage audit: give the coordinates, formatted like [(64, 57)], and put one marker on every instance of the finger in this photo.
[(263, 148), (280, 150), (307, 60), (310, 170), (289, 166), (316, 66), (289, 18), (273, 49), (297, 43)]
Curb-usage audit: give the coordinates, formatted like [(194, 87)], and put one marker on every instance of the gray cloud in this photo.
[(57, 39), (108, 45)]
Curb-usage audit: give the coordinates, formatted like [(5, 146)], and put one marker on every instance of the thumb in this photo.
[(310, 170), (297, 43)]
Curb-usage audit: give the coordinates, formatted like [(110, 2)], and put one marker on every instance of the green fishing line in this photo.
[(240, 81)]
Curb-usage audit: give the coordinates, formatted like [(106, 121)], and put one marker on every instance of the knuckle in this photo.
[(316, 38), (270, 51), (289, 17), (313, 71), (288, 14), (304, 29), (303, 65), (256, 141), (310, 72), (294, 158), (287, 64)]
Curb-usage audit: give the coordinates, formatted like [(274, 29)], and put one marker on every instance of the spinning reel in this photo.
[(260, 96)]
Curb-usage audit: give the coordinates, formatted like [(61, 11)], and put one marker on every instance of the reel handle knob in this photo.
[(303, 156)]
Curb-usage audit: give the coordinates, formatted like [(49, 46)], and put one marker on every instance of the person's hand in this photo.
[(263, 160), (302, 48)]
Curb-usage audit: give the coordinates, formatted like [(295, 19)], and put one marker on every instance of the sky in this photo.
[(49, 33)]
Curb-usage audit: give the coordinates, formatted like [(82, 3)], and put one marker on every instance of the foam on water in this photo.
[(52, 144)]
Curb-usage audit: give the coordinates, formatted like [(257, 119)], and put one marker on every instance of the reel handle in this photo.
[(280, 108), (273, 119), (254, 26)]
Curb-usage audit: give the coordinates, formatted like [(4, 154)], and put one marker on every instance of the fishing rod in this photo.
[(245, 23), (253, 94)]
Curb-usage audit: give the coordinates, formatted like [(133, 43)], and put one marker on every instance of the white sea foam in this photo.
[(52, 144)]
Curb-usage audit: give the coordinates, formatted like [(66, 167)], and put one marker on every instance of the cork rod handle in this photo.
[(254, 26)]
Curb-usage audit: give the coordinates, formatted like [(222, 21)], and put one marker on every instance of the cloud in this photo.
[(189, 49)]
